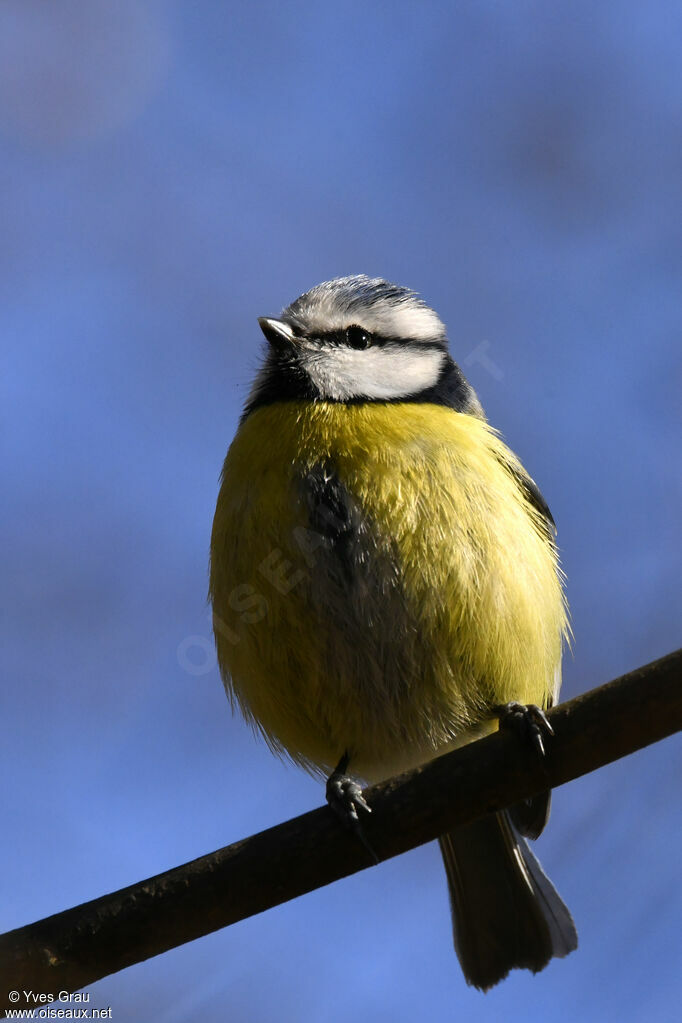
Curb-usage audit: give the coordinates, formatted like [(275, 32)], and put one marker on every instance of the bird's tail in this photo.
[(506, 913)]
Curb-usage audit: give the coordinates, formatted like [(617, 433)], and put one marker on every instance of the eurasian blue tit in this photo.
[(385, 586)]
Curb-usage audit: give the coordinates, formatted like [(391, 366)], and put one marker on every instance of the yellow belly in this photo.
[(461, 608)]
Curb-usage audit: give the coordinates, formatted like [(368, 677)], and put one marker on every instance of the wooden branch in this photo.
[(79, 946)]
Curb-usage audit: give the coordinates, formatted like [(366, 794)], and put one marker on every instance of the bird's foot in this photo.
[(528, 721), (345, 797)]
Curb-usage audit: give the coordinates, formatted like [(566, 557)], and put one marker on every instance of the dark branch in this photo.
[(74, 948)]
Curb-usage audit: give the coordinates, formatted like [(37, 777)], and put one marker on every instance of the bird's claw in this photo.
[(528, 721), (345, 797)]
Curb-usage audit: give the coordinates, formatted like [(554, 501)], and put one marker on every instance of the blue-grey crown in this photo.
[(358, 292), (378, 305)]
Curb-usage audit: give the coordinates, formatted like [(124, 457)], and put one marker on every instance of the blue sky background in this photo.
[(170, 171)]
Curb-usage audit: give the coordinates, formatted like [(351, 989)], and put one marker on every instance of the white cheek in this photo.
[(377, 373)]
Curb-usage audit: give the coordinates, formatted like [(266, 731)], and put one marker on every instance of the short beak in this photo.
[(276, 331)]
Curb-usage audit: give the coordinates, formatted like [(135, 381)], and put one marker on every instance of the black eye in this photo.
[(358, 337)]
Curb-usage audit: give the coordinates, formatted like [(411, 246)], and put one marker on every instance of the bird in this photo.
[(386, 587)]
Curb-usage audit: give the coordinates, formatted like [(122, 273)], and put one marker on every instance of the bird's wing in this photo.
[(532, 494)]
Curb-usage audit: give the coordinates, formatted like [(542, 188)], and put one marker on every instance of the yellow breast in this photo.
[(454, 606)]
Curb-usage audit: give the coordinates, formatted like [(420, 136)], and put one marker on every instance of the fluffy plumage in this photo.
[(453, 606), (384, 574)]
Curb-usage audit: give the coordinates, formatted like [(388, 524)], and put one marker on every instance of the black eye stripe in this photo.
[(352, 337), (339, 339)]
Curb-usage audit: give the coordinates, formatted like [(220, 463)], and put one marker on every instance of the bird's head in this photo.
[(353, 339)]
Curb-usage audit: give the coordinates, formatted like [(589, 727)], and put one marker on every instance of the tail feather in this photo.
[(530, 816), (506, 912)]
